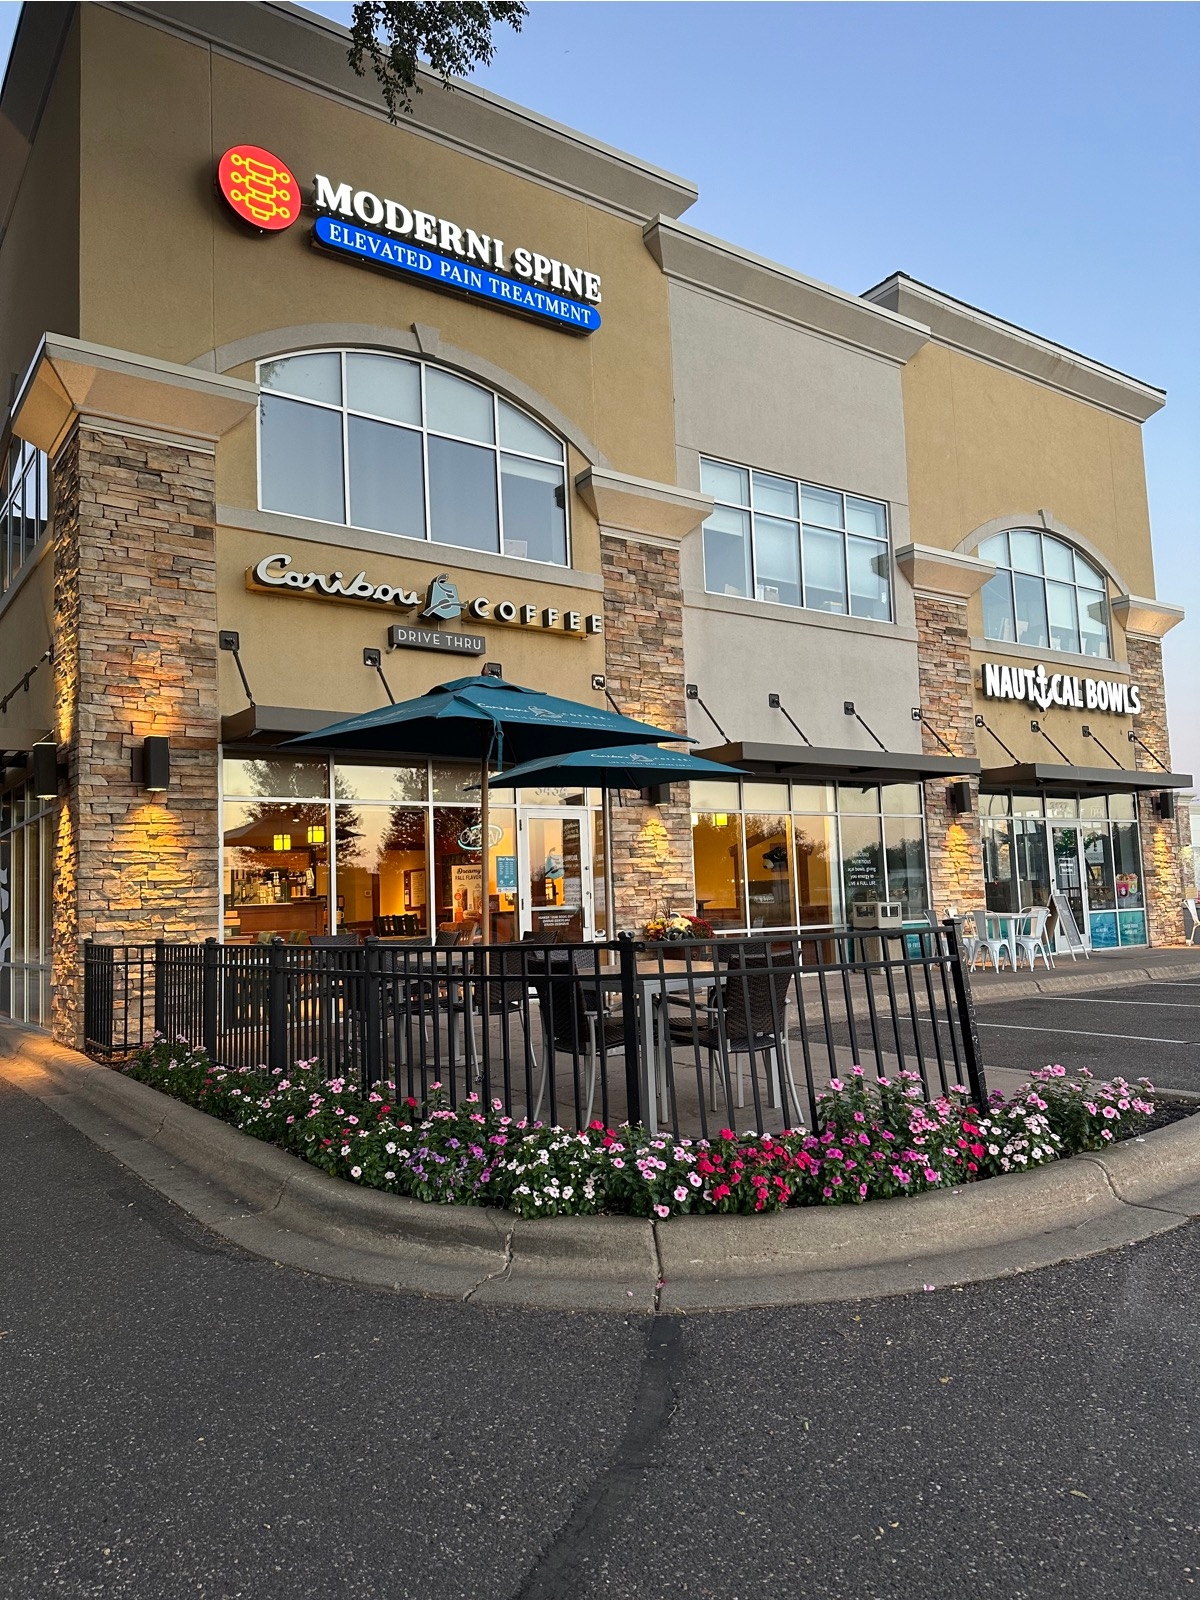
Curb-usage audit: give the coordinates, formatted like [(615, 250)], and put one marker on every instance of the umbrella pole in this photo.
[(610, 888), (485, 926)]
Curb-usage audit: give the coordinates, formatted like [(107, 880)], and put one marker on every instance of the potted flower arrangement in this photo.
[(673, 928)]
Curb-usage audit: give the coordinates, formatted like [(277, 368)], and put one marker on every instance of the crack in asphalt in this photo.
[(595, 1524), (501, 1272)]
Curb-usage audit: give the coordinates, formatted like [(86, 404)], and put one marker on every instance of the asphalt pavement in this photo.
[(181, 1419), (1133, 1030)]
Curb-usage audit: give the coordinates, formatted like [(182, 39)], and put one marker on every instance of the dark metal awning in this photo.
[(809, 762), (1061, 779), (273, 724)]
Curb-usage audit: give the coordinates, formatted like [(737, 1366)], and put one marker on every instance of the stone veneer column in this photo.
[(1162, 842), (643, 663), (943, 582), (135, 627), (948, 702), (132, 446), (641, 526)]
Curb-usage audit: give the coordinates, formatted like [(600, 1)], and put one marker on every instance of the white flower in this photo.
[(389, 1176), (356, 1172)]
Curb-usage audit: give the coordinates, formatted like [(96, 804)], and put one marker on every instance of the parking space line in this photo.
[(1091, 1000), (1083, 1033)]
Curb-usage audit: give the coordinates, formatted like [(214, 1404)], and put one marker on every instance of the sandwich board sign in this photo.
[(1067, 925)]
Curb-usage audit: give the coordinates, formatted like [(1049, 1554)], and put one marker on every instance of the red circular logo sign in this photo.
[(259, 187)]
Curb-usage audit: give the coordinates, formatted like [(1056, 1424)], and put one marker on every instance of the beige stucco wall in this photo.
[(169, 272), (755, 390), (26, 630), (984, 444), (39, 264)]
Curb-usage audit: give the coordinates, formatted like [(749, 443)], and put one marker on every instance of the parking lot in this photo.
[(1133, 1029)]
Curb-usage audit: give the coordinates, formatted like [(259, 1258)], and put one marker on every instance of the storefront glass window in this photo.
[(1084, 847), (795, 544), (817, 886), (769, 879), (719, 865), (862, 860), (315, 848), (1044, 595), (24, 508), (26, 890), (400, 446)]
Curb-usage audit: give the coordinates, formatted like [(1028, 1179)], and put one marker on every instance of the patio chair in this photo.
[(571, 1027), (1191, 922), (970, 938), (993, 947), (1032, 941), (745, 1015)]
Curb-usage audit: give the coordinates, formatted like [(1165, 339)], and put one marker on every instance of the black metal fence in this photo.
[(692, 1037)]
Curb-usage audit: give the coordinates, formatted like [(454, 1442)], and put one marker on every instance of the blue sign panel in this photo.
[(506, 874), (363, 244)]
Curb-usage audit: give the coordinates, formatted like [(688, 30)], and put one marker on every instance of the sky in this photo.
[(1041, 161)]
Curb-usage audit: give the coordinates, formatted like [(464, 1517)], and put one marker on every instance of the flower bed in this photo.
[(873, 1141)]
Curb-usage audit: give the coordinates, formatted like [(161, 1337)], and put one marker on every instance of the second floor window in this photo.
[(1045, 595), (24, 508), (399, 446), (795, 544)]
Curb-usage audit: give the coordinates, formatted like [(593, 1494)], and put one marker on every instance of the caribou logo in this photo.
[(442, 599)]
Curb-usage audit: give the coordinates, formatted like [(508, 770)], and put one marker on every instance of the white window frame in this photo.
[(1054, 538), (843, 532), (497, 449)]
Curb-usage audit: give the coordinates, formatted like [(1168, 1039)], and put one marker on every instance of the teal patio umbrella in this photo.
[(493, 721), (625, 766)]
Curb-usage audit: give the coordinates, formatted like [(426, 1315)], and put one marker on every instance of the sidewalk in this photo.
[(1103, 969)]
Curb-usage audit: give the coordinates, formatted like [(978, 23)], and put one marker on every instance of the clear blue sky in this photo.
[(1040, 161)]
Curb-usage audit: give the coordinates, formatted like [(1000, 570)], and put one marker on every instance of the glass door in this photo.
[(556, 894), (1069, 875)]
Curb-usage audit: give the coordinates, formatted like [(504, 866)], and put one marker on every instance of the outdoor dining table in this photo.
[(656, 980)]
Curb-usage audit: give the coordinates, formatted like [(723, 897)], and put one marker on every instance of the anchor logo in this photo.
[(1039, 686)]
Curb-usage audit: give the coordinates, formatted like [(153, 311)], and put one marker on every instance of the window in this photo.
[(767, 860), (26, 889), (399, 446), (24, 508), (1045, 595), (794, 544)]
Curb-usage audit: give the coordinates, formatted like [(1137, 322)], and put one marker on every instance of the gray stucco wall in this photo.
[(752, 389)]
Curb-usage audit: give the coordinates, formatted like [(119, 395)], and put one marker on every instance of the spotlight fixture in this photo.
[(959, 797), (1164, 805), (44, 767), (150, 764)]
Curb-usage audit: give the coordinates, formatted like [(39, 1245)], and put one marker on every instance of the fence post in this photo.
[(160, 986), (208, 1008), (373, 1008), (277, 1028), (99, 973), (976, 1081), (627, 951)]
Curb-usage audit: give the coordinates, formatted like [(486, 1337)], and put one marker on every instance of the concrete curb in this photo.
[(276, 1206)]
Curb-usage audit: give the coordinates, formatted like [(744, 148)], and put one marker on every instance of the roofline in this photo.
[(701, 260), (536, 145), (959, 324)]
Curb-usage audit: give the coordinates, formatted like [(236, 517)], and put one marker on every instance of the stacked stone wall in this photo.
[(1163, 841), (136, 654), (643, 624), (948, 704)]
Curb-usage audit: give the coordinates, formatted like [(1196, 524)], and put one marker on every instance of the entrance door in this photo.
[(1069, 874), (556, 875)]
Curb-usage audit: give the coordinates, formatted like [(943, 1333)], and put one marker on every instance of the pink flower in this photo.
[(681, 1193), (662, 1211)]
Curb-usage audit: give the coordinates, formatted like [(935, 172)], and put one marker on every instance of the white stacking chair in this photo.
[(1191, 922), (1032, 940), (994, 948), (970, 938)]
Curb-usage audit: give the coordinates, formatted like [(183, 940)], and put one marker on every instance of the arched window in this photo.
[(1045, 595), (400, 446)]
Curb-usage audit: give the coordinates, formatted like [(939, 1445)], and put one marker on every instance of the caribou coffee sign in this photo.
[(1045, 689), (441, 601)]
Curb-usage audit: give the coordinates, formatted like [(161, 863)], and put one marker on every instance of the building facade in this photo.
[(308, 410)]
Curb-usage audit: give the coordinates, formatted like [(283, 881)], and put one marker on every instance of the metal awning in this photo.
[(1062, 779), (273, 724), (809, 762)]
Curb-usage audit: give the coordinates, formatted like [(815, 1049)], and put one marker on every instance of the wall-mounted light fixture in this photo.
[(598, 681), (43, 761), (150, 764), (282, 842), (1164, 805), (316, 833), (493, 669), (959, 797), (658, 794)]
